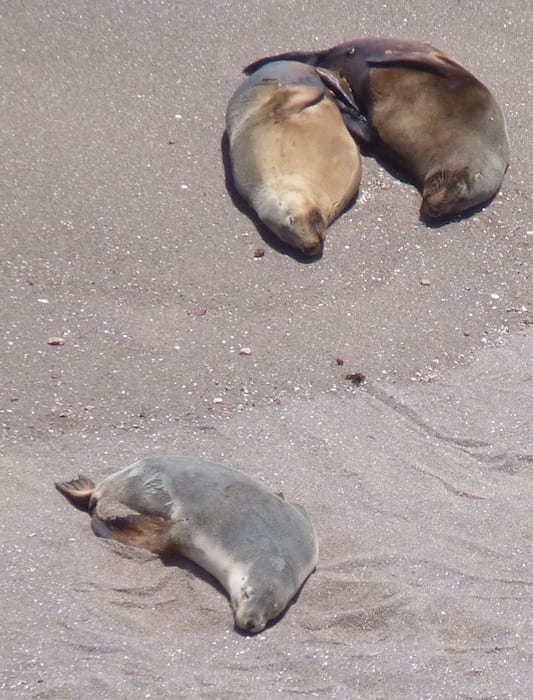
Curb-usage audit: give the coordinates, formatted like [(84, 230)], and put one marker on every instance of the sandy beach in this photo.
[(131, 285)]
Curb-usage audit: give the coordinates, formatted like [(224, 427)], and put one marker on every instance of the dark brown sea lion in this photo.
[(426, 113), (292, 157)]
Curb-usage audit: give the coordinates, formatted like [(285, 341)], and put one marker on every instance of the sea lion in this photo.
[(426, 113), (292, 157), (258, 546)]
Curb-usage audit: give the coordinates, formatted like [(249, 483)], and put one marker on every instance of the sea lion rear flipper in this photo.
[(144, 531), (78, 491)]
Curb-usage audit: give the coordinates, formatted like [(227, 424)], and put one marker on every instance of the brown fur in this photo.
[(293, 158), (426, 113)]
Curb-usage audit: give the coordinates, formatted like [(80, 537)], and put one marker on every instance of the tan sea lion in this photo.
[(293, 159), (258, 546), (425, 112)]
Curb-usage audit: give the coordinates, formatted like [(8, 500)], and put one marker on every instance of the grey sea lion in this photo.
[(259, 547), (425, 112), (292, 157)]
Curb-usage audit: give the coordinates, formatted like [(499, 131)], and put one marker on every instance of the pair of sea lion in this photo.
[(259, 547), (407, 102)]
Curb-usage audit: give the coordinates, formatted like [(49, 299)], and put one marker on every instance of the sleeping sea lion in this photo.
[(292, 157), (258, 546), (425, 112)]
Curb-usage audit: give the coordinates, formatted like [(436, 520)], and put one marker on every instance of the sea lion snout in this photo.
[(446, 191), (253, 615), (313, 230), (252, 624), (296, 221)]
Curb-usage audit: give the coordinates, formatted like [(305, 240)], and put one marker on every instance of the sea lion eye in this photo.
[(350, 52), (462, 189), (246, 592)]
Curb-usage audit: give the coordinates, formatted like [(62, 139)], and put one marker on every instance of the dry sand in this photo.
[(118, 236)]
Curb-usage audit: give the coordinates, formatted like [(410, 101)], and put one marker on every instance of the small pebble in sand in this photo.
[(339, 361), (217, 399), (259, 252), (56, 341), (245, 351), (356, 378), (425, 282)]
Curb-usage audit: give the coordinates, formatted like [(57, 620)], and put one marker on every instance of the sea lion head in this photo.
[(448, 191), (295, 220), (255, 606)]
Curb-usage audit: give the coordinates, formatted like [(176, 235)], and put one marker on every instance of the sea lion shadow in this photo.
[(266, 234), (455, 218), (393, 169), (190, 567)]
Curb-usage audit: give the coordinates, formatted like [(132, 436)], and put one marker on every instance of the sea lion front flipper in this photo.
[(341, 91), (144, 531), (356, 122), (293, 99), (439, 63), (78, 491)]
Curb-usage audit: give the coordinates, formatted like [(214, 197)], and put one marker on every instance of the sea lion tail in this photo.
[(78, 491), (308, 57)]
